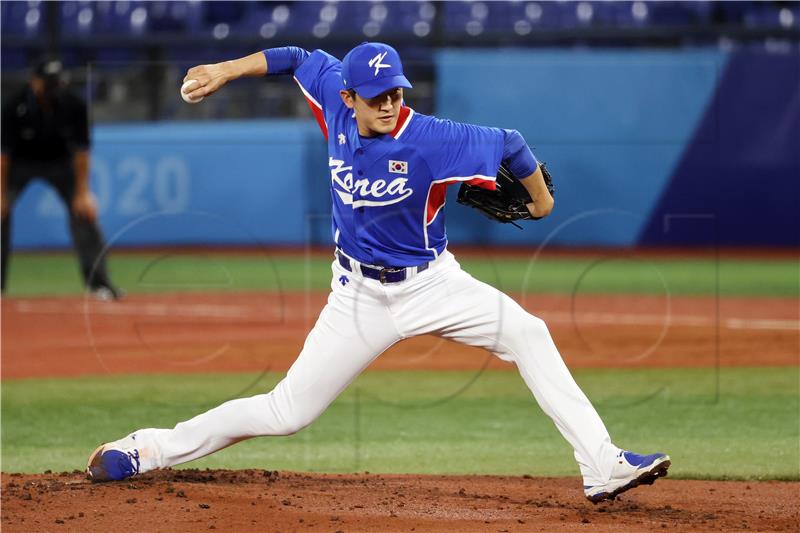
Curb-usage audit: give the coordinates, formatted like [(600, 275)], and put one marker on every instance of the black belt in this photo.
[(382, 274)]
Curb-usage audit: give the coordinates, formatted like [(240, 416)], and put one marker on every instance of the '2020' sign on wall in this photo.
[(174, 184), (134, 186)]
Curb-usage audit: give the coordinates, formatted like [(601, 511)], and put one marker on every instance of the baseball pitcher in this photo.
[(393, 276)]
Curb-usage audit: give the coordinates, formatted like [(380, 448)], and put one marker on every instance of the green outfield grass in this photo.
[(731, 423), (49, 274)]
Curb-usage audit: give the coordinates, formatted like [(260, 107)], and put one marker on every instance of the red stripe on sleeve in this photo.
[(318, 115), (436, 198), (483, 183), (438, 194)]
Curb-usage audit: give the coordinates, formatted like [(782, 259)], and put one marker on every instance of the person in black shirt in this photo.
[(45, 134)]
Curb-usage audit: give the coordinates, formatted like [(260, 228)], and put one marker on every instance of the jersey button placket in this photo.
[(359, 173)]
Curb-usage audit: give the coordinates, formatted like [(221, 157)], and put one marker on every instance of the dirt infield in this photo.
[(235, 332), (245, 501), (264, 331)]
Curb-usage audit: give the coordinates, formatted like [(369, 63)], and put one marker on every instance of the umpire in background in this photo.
[(45, 134)]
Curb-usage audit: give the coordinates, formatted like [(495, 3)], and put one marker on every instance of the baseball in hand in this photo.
[(187, 87)]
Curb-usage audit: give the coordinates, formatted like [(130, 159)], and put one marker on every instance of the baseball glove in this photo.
[(507, 203)]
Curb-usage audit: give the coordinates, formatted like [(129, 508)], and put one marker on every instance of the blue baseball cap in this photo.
[(373, 68)]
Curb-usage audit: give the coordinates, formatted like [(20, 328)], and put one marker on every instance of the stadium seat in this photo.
[(768, 15), (670, 13), (21, 18), (173, 17), (525, 16), (122, 18), (77, 18), (287, 20)]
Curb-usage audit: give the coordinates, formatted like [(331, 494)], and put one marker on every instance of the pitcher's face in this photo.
[(378, 115)]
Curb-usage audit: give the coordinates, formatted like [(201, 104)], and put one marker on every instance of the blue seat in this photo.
[(670, 13), (171, 17), (226, 12), (121, 18), (540, 14), (768, 15), (21, 19), (76, 18), (303, 16), (621, 14), (404, 15), (270, 20), (498, 16), (702, 12)]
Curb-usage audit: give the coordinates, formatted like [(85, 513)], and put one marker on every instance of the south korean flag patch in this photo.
[(398, 167)]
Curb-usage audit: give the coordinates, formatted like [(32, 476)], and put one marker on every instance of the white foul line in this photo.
[(143, 309), (189, 310)]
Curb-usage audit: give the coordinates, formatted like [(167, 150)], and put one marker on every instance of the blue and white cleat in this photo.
[(631, 470), (112, 463)]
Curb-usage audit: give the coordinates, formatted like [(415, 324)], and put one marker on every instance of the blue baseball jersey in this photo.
[(388, 191)]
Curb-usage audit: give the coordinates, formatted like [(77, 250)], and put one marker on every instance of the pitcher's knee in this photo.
[(529, 334), (538, 326), (279, 423), (295, 423), (285, 414)]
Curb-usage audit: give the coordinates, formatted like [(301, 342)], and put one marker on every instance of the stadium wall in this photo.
[(689, 147)]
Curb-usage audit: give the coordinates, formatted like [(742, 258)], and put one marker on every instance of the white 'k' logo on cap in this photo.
[(376, 62)]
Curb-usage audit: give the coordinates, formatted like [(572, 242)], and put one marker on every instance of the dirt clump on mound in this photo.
[(258, 500)]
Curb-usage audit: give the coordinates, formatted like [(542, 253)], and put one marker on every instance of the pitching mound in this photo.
[(256, 500)]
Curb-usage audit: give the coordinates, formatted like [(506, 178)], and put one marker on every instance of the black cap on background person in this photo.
[(48, 77)]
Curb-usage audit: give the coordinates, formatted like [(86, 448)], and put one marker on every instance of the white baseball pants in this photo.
[(360, 321)]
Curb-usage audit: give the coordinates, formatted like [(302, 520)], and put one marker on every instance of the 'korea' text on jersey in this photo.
[(388, 191)]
